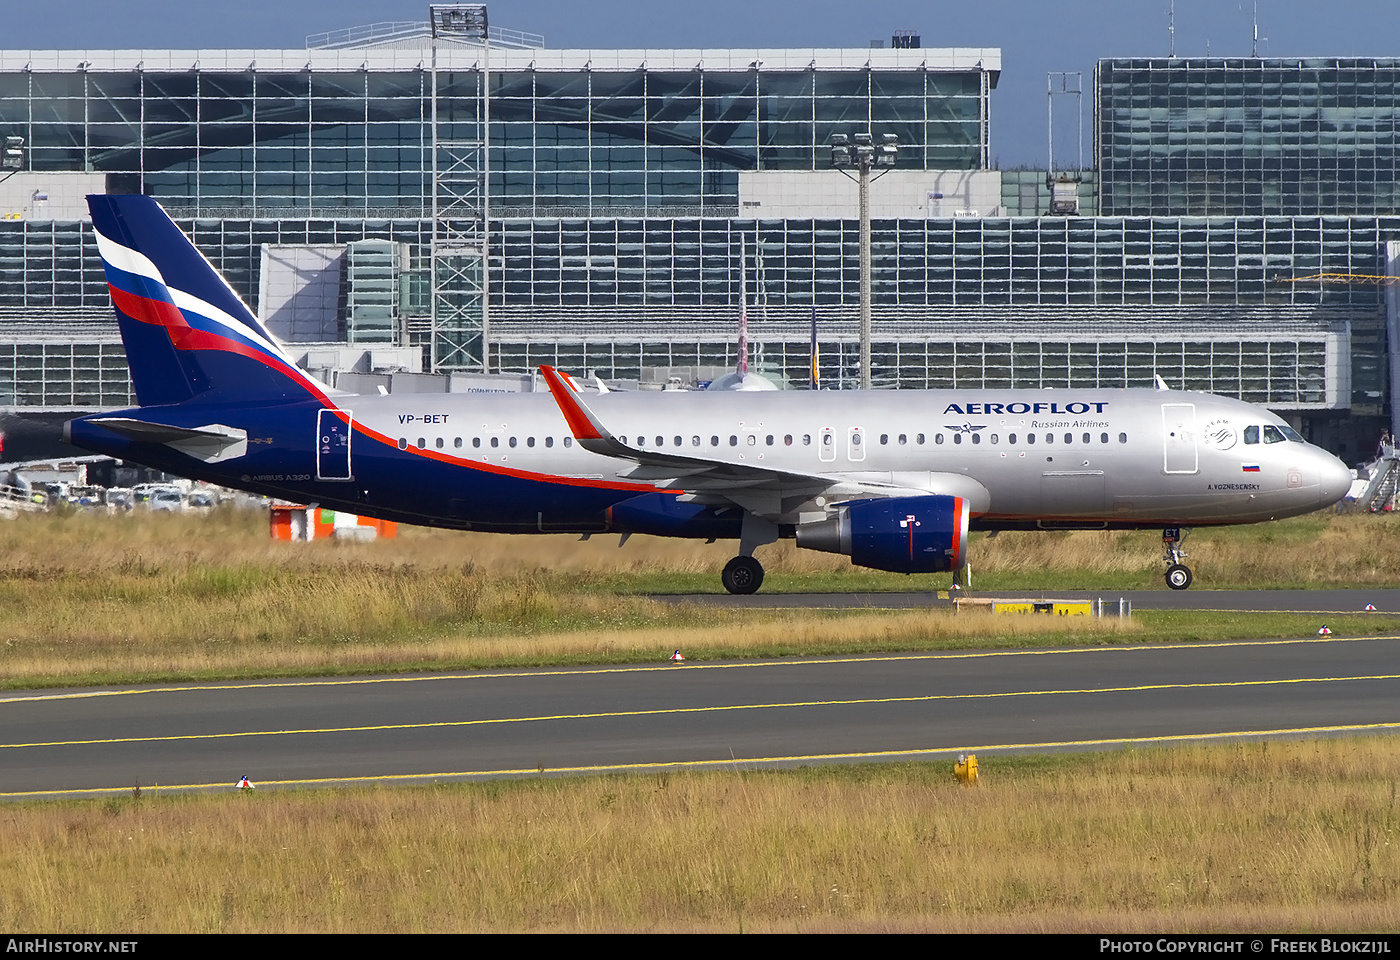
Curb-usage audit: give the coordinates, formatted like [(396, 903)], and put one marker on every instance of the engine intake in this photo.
[(900, 534)]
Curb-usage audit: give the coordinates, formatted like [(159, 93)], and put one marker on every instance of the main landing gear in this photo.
[(1178, 573), (742, 575)]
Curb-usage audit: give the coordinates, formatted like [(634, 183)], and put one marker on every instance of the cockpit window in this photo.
[(1251, 434), (1273, 434), (1292, 434)]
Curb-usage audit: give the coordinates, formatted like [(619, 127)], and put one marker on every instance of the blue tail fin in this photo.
[(187, 334)]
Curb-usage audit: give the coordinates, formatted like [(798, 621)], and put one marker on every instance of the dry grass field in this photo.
[(98, 599), (1296, 836)]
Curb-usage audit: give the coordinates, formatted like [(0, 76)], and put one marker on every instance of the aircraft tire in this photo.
[(1178, 576), (742, 575)]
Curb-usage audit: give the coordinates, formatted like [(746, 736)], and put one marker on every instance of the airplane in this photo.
[(895, 480)]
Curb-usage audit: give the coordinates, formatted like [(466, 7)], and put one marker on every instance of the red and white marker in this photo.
[(1324, 632), (244, 784), (1370, 606), (677, 657)]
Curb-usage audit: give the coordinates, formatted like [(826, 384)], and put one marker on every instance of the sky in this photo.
[(1035, 36)]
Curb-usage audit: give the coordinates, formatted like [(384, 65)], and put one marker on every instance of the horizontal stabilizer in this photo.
[(210, 443)]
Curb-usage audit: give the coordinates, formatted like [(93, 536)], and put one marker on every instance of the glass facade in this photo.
[(332, 136), (1208, 137)]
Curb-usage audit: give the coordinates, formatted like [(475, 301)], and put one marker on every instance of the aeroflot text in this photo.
[(1019, 407)]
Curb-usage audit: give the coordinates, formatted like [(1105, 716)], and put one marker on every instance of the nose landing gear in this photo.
[(1178, 574)]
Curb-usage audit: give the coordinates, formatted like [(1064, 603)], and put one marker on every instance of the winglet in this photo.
[(583, 423)]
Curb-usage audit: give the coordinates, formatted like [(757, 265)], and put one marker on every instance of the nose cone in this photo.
[(1334, 479)]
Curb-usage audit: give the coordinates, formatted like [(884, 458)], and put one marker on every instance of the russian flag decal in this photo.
[(1250, 467)]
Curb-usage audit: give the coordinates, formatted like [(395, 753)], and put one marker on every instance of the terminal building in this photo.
[(409, 211)]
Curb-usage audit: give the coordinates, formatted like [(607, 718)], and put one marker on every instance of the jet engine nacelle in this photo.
[(662, 515), (901, 534)]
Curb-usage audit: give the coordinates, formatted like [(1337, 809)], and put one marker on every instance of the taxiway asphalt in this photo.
[(742, 714)]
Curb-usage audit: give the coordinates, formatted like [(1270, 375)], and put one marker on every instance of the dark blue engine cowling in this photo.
[(900, 534), (663, 515)]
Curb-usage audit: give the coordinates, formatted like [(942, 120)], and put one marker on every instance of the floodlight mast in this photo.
[(859, 151), (460, 21)]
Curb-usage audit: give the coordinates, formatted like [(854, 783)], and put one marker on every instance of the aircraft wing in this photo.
[(763, 490)]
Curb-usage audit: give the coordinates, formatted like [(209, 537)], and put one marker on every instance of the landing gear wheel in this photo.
[(1178, 576), (742, 575)]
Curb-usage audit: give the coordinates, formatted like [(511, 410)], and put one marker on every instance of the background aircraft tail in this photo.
[(186, 333)]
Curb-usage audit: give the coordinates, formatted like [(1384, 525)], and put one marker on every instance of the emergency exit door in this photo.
[(333, 444)]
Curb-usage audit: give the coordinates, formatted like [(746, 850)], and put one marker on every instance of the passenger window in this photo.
[(806, 439), (439, 443), (403, 443), (994, 439), (903, 440), (714, 441), (495, 441), (512, 442), (695, 441), (733, 440), (826, 439), (476, 441), (1030, 438), (1049, 438), (1011, 439), (1069, 438), (1122, 438), (549, 441), (770, 440), (855, 439), (680, 444), (957, 438), (530, 442), (787, 440), (568, 441), (422, 444), (977, 438), (1251, 434), (1103, 438), (661, 441), (919, 438), (1088, 439), (752, 440), (884, 439), (457, 443), (938, 438)]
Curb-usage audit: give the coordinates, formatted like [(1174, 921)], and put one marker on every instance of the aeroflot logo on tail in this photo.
[(1019, 407)]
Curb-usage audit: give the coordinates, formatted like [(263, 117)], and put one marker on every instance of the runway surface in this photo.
[(726, 715), (1275, 601)]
